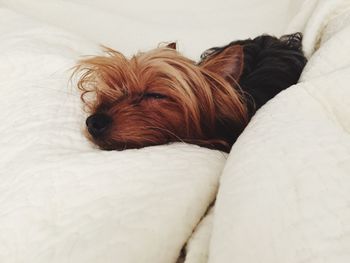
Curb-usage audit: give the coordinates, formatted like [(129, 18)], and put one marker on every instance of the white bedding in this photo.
[(133, 25), (284, 193), (61, 199), (285, 190)]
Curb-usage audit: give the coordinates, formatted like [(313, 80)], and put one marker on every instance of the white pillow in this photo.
[(133, 25)]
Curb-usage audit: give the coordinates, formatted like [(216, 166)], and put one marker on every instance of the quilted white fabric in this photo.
[(285, 190), (284, 194), (62, 200), (133, 25)]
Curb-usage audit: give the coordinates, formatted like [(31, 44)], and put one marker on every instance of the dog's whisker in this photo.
[(125, 145), (166, 130)]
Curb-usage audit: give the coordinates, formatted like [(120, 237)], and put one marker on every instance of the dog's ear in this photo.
[(228, 62), (171, 45)]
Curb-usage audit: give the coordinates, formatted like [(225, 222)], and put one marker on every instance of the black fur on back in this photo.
[(270, 65)]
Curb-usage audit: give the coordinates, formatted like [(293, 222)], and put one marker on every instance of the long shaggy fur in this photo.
[(160, 96), (195, 101)]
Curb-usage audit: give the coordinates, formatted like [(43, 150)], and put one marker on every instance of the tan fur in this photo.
[(199, 98)]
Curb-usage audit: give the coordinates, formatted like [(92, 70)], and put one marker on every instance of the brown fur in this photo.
[(201, 104)]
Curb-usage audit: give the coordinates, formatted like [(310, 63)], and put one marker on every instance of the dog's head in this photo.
[(160, 96)]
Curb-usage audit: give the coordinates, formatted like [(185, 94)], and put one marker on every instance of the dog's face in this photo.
[(160, 97)]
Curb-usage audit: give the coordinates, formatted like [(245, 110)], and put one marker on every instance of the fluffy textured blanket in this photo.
[(62, 200), (284, 192)]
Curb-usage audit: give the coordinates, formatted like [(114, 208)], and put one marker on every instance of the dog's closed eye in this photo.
[(153, 95)]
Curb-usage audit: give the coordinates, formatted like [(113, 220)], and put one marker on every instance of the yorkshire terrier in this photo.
[(160, 96)]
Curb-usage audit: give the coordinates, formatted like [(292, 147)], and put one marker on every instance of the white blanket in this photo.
[(133, 25), (284, 194), (62, 200), (285, 190)]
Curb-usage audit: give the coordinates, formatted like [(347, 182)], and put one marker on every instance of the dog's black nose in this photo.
[(98, 124)]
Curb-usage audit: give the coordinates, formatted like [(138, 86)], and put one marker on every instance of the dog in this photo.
[(160, 96)]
